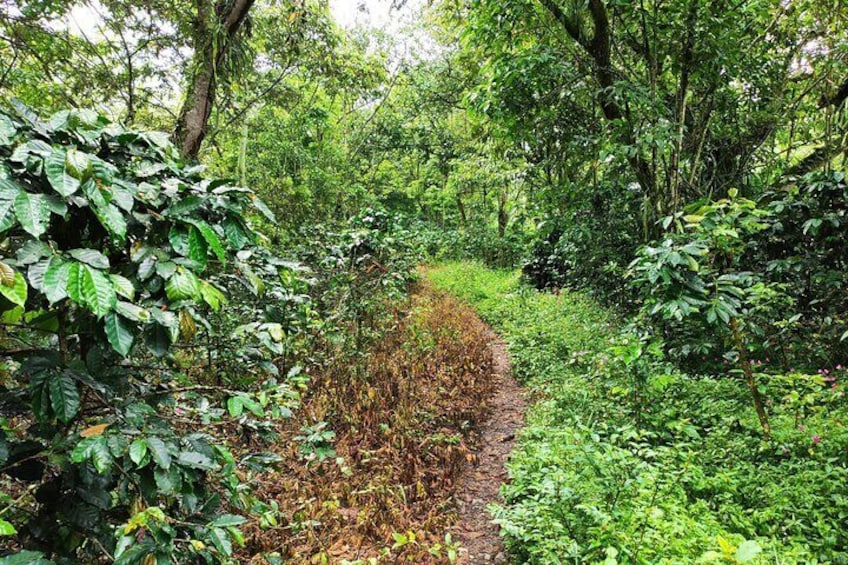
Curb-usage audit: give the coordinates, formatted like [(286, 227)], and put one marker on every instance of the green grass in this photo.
[(686, 478)]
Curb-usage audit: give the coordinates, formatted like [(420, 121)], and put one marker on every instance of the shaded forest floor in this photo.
[(423, 424)]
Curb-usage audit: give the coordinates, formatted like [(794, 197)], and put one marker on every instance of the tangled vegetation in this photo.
[(213, 214)]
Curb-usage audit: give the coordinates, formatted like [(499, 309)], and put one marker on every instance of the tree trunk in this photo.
[(215, 31), (599, 48), (503, 217), (749, 378)]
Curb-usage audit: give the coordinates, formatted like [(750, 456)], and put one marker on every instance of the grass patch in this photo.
[(635, 462)]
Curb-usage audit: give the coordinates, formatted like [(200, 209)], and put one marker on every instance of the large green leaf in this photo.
[(138, 451), (56, 279), (77, 163), (95, 449), (64, 396), (9, 190), (236, 233), (196, 460), (91, 288), (184, 206), (132, 312), (228, 521), (90, 257), (16, 293), (7, 131), (96, 197), (33, 212), (119, 332), (221, 541), (212, 296), (212, 239), (7, 529), (184, 285), (197, 248), (123, 286), (112, 219), (159, 452), (262, 207), (60, 178)]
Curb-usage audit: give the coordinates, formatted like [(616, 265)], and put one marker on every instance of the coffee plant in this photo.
[(117, 260)]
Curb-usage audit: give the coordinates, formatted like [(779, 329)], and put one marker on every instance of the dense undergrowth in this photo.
[(626, 459)]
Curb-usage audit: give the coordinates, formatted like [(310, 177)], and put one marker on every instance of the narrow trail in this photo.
[(482, 477)]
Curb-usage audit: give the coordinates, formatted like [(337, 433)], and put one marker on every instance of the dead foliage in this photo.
[(403, 415)]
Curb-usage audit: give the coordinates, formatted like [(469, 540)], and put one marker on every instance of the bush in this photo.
[(117, 259), (589, 246)]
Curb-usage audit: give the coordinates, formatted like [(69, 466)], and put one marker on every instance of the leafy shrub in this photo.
[(803, 249), (697, 276), (116, 259), (589, 246)]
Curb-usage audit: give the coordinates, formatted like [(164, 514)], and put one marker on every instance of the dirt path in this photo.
[(482, 478)]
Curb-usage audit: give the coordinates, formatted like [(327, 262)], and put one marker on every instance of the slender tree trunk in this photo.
[(749, 378), (460, 206), (503, 217), (215, 29)]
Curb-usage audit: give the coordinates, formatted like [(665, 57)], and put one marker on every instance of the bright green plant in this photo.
[(698, 274), (114, 252)]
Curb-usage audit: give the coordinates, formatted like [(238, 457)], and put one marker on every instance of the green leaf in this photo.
[(184, 206), (119, 332), (262, 207), (159, 452), (112, 219), (212, 239), (56, 279), (132, 312), (166, 269), (166, 481), (90, 257), (227, 521), (77, 163), (33, 212), (91, 288), (100, 455), (221, 541), (747, 551), (60, 178), (212, 296), (138, 450), (237, 235), (64, 397), (235, 406), (7, 529), (123, 286), (8, 193), (183, 285), (17, 293), (197, 248), (7, 131), (178, 236), (196, 460), (96, 197)]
